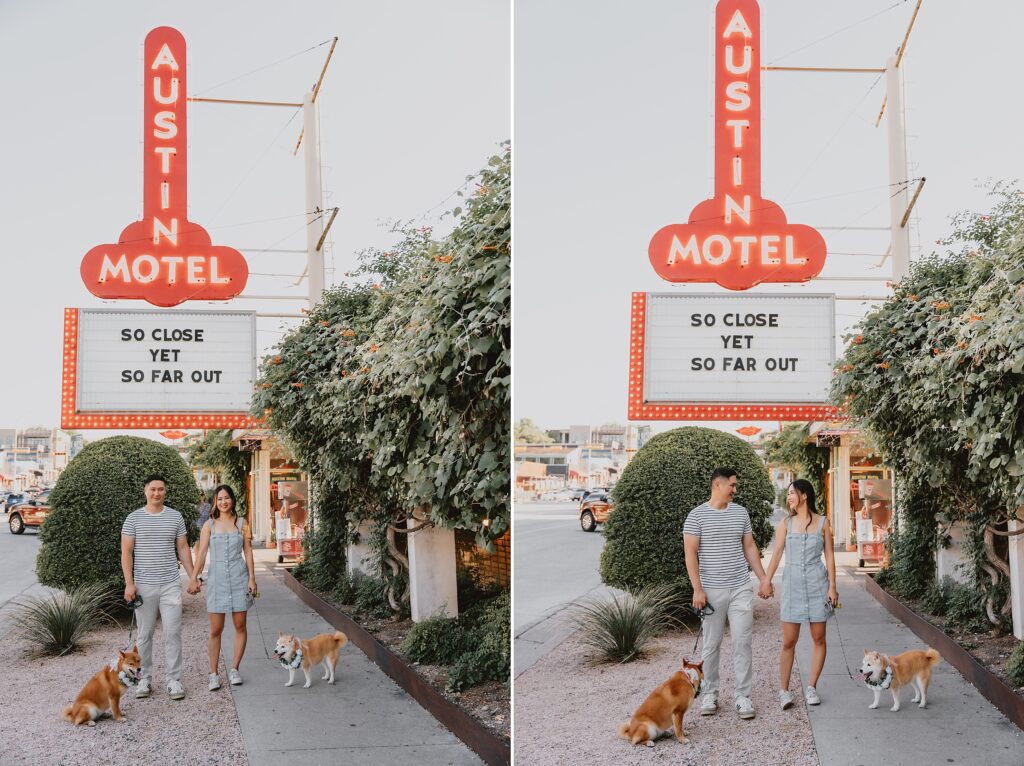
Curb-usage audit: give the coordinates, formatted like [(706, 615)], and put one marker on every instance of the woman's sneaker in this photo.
[(709, 704), (744, 707), (786, 698), (144, 688), (235, 677), (812, 696), (214, 682)]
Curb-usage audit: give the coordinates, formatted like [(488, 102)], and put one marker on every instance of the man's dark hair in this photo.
[(153, 477), (722, 473)]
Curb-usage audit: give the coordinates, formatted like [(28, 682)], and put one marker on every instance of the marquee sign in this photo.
[(165, 259), (158, 369), (728, 357), (737, 238)]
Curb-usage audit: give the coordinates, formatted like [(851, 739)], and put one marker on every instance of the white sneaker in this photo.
[(144, 687), (214, 682), (709, 704), (235, 677), (786, 698), (812, 696), (745, 707), (175, 690)]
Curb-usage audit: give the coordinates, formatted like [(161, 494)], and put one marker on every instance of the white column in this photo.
[(1017, 578), (432, 573), (899, 190), (841, 495), (357, 559), (259, 511), (314, 200)]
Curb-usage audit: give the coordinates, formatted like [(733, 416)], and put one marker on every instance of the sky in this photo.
[(613, 140), (416, 98)]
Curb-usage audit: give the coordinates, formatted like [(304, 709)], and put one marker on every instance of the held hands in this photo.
[(193, 587), (767, 590)]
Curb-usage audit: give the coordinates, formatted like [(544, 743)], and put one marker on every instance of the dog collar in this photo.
[(294, 663), (126, 679), (695, 680), (885, 683)]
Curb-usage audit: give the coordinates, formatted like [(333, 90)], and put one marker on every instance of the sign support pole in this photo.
[(314, 202), (899, 184)]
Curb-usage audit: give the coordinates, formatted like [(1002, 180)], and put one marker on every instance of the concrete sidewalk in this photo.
[(957, 726), (363, 718)]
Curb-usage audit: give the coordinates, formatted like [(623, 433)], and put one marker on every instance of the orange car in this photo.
[(30, 514), (594, 510)]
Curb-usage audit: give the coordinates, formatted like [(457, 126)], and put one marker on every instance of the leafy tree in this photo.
[(936, 376), (789, 447), (216, 453), (528, 433)]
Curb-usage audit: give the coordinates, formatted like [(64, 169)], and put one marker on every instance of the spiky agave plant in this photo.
[(56, 623), (619, 628)]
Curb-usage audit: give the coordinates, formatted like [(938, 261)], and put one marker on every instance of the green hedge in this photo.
[(81, 538), (666, 479)]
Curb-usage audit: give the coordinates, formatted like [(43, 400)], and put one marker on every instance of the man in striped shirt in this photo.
[(153, 540), (719, 544)]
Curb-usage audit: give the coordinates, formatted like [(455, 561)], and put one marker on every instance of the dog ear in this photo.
[(121, 653), (866, 652), (135, 648)]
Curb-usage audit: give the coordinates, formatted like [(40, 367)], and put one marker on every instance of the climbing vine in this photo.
[(936, 376)]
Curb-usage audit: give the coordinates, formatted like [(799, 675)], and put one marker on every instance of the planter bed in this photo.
[(486, 734), (992, 686)]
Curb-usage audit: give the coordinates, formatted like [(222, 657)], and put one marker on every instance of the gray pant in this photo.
[(165, 599), (738, 605)]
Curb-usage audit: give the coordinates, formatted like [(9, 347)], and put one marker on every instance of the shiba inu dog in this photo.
[(880, 672), (101, 696), (665, 707), (295, 652)]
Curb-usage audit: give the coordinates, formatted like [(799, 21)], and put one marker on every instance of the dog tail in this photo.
[(67, 713), (341, 638), (933, 656), (624, 729)]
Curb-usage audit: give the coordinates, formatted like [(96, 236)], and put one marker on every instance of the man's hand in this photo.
[(193, 587), (130, 592), (767, 590), (700, 599)]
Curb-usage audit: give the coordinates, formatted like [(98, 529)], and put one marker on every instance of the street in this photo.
[(17, 570), (556, 563)]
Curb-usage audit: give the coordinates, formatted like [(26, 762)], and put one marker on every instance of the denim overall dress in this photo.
[(227, 582), (804, 579)]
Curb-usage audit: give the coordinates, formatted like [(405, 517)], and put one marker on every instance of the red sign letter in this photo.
[(737, 239), (165, 258)]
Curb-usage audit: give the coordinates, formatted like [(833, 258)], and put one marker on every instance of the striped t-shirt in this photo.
[(156, 553), (722, 564)]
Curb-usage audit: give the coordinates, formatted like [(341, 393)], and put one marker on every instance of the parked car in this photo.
[(588, 492), (594, 510), (30, 514), (12, 499), (577, 494)]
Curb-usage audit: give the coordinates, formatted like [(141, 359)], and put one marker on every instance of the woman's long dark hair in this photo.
[(802, 486), (214, 510)]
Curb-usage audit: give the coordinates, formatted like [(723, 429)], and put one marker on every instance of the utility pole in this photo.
[(899, 183), (314, 202)]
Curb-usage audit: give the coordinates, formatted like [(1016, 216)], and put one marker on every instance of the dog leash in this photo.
[(700, 614), (835, 621)]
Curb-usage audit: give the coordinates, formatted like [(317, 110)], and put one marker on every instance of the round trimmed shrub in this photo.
[(666, 479), (81, 537)]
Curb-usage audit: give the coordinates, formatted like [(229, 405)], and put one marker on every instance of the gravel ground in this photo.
[(200, 729), (567, 710)]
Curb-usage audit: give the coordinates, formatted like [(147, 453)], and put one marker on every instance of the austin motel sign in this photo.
[(737, 238), (164, 259)]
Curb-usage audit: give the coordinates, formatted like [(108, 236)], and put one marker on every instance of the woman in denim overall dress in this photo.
[(231, 581), (808, 584)]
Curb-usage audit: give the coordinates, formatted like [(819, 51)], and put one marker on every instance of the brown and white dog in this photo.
[(880, 672), (296, 652), (101, 696), (665, 707)]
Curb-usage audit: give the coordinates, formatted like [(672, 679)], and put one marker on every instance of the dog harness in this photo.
[(885, 683), (124, 678), (695, 680), (294, 663)]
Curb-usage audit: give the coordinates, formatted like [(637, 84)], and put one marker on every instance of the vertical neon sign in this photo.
[(737, 238), (165, 259)]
